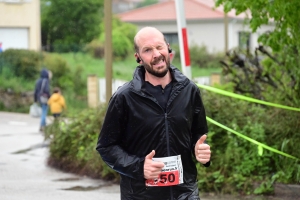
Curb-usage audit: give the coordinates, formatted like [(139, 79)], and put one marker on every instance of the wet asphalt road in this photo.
[(24, 174)]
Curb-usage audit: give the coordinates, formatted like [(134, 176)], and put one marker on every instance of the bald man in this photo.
[(154, 126)]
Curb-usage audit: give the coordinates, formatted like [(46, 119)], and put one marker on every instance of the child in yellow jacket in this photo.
[(57, 103)]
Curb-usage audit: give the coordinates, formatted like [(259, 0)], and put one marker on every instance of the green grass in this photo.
[(122, 69), (16, 84)]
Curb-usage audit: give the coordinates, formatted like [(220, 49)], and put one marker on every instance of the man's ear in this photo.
[(138, 60)]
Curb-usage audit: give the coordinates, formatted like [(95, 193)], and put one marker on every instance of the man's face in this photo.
[(154, 54)]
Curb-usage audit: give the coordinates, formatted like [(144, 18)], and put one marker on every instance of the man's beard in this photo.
[(157, 73)]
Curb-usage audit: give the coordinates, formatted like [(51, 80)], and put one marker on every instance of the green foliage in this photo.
[(200, 57), (63, 76), (259, 75), (69, 24), (283, 40), (237, 165), (20, 62), (122, 38), (73, 144), (95, 48), (9, 82), (60, 70)]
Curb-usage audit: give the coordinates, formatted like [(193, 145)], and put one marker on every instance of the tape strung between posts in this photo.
[(250, 139), (238, 96)]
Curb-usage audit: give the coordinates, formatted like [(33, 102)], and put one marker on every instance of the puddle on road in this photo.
[(22, 151), (68, 179), (30, 148), (87, 188), (82, 188)]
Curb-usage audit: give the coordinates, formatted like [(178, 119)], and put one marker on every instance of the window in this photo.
[(244, 40), (171, 38)]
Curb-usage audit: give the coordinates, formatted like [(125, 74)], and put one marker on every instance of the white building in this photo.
[(205, 24)]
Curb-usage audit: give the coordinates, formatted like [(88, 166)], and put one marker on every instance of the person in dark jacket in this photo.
[(42, 94), (154, 126)]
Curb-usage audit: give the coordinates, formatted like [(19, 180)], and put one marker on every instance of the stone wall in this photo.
[(11, 100)]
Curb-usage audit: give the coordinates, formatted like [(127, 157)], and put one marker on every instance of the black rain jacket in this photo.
[(135, 124)]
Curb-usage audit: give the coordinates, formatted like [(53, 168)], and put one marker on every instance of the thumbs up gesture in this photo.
[(152, 168), (202, 150)]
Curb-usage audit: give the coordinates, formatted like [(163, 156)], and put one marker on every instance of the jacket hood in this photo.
[(55, 96), (44, 73)]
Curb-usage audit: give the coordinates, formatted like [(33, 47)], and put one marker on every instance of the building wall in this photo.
[(22, 15), (210, 33), (234, 27)]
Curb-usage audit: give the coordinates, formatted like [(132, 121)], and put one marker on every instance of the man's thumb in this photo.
[(150, 155), (202, 139)]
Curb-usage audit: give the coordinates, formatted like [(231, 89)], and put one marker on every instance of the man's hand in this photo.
[(152, 168), (202, 151)]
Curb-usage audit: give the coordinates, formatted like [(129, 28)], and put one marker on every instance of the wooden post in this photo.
[(215, 78), (93, 91), (108, 48)]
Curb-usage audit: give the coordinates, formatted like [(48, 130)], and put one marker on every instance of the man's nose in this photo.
[(156, 53)]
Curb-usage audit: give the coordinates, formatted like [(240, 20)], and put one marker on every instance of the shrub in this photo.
[(236, 163), (122, 38), (73, 144), (61, 72), (121, 45), (95, 49), (200, 57), (21, 63)]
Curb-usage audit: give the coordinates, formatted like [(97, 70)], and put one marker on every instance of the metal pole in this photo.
[(183, 41), (108, 48), (226, 31)]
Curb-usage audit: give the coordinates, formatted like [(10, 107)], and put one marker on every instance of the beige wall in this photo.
[(23, 15)]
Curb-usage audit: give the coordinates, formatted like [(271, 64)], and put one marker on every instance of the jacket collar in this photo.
[(138, 80)]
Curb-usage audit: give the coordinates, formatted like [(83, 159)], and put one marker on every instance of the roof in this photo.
[(166, 11)]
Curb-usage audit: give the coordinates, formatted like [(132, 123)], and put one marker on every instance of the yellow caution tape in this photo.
[(260, 145), (238, 96)]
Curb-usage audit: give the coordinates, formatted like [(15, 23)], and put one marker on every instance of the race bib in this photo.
[(171, 174)]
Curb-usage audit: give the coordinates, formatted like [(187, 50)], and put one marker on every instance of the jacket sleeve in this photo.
[(110, 143), (199, 125)]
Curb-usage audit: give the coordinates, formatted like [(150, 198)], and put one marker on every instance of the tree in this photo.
[(122, 37), (284, 40), (68, 24)]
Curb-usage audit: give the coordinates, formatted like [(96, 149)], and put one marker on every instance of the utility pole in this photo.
[(108, 48), (226, 31)]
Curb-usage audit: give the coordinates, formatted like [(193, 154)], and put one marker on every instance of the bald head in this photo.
[(144, 34)]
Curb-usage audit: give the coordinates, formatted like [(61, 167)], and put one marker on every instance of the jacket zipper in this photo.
[(167, 135)]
